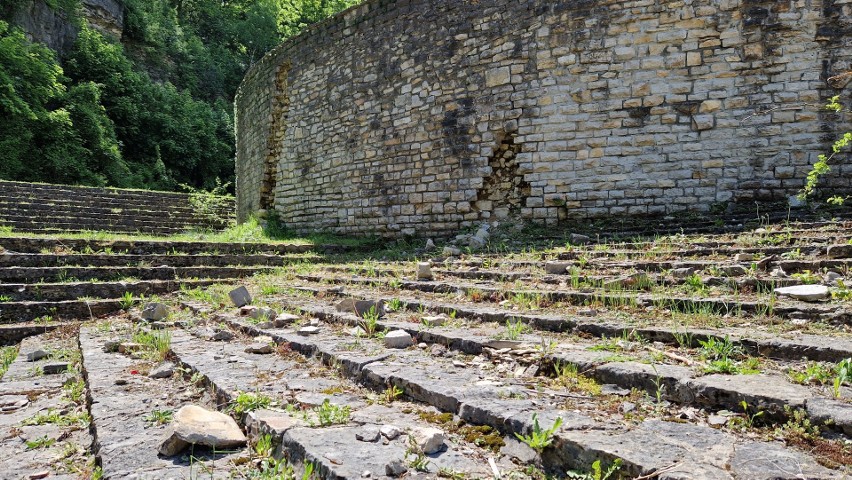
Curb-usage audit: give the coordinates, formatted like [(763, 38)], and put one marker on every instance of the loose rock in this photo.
[(264, 313), (305, 331), (368, 434), (556, 268), (193, 425), (451, 251), (361, 307), (391, 432), (37, 355), (154, 312), (240, 296), (805, 293), (430, 440), (424, 271), (55, 368), (163, 370), (259, 348), (395, 468), (398, 339)]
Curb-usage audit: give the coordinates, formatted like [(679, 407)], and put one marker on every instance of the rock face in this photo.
[(806, 293), (54, 28), (193, 425)]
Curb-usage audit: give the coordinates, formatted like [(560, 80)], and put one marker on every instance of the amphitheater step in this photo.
[(63, 245)]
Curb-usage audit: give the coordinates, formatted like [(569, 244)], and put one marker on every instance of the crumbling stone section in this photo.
[(505, 190), (396, 109)]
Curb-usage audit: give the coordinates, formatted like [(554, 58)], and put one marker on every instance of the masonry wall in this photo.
[(427, 116)]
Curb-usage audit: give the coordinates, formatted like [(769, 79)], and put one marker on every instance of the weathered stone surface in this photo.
[(305, 331), (36, 355), (398, 339), (806, 293), (556, 268), (840, 251), (163, 370), (55, 368), (424, 271), (260, 348), (154, 312), (361, 307), (196, 425), (240, 296), (829, 411)]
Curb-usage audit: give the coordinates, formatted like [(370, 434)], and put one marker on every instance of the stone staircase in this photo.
[(697, 371), (44, 208)]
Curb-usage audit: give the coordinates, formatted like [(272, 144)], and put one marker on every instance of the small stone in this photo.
[(556, 268), (154, 312), (520, 451), (199, 426), (120, 381), (368, 434), (437, 350), (430, 245), (267, 314), (37, 355), (240, 296), (265, 325), (744, 257), (284, 319), (361, 307), (222, 336), (831, 278), (111, 346), (435, 321), (398, 339), (805, 293), (424, 271), (163, 370), (422, 345), (451, 251), (247, 310), (391, 432), (39, 475), (778, 273), (366, 474), (578, 239), (129, 347), (55, 368), (717, 420), (395, 468), (305, 331), (627, 407), (259, 348), (683, 272), (158, 325), (429, 439), (795, 202)]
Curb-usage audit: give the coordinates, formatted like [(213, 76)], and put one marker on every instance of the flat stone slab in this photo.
[(194, 425), (805, 293)]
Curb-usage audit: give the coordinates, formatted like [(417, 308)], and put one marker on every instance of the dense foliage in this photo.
[(153, 110)]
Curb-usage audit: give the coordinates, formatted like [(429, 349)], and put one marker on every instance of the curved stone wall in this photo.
[(423, 117)]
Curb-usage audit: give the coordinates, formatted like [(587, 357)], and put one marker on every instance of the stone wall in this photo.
[(427, 116)]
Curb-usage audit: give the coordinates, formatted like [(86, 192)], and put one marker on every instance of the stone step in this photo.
[(156, 247), (45, 425), (112, 274), (33, 225), (771, 393), (334, 451), (74, 209), (123, 400), (37, 189), (47, 313), (9, 259), (655, 445), (117, 220), (53, 292)]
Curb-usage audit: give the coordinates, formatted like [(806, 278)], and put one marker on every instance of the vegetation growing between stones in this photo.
[(822, 166), (7, 356)]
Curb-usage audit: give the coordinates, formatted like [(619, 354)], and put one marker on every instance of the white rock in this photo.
[(390, 432), (806, 293), (430, 440), (199, 426), (435, 321), (430, 245), (398, 339), (744, 257), (305, 331), (424, 271), (154, 312), (778, 273)]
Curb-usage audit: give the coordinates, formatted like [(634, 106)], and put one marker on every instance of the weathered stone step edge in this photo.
[(225, 395), (23, 212), (19, 312), (837, 314), (49, 274), (695, 252), (811, 347), (13, 334), (569, 451), (682, 386), (55, 229), (129, 220), (143, 247), (14, 186), (9, 259), (181, 210), (44, 292)]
